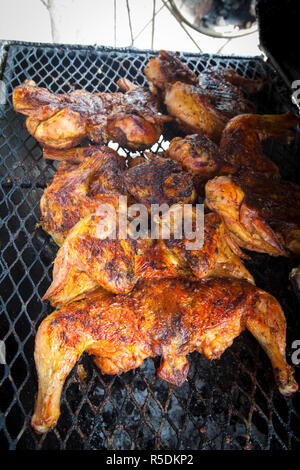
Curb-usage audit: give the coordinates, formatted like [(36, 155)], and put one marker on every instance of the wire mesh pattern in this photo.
[(230, 403)]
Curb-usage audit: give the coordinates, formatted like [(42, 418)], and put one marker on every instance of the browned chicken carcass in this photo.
[(261, 214), (202, 105), (159, 181), (61, 121), (168, 318), (73, 156), (240, 147), (88, 260), (77, 191)]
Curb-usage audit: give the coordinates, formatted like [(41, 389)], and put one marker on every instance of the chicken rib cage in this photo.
[(231, 403)]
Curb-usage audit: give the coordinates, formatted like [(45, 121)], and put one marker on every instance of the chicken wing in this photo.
[(61, 121), (74, 155), (88, 260), (167, 69), (77, 191), (242, 136), (159, 181), (261, 214), (201, 106), (168, 318)]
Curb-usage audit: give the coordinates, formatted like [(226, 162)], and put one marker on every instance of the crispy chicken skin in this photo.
[(74, 155), (168, 318), (229, 80), (61, 121), (158, 181), (240, 148), (166, 69), (202, 105), (242, 136), (195, 110), (86, 261), (77, 191), (261, 214), (201, 157)]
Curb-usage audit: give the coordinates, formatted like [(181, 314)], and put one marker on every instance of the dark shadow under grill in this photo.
[(231, 403)]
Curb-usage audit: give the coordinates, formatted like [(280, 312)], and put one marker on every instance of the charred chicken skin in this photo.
[(77, 191), (261, 214), (242, 136), (166, 69), (168, 318), (200, 157), (200, 105), (73, 156), (86, 261), (158, 181), (61, 121), (240, 148)]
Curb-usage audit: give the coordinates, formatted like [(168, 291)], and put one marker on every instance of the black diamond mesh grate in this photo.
[(227, 404)]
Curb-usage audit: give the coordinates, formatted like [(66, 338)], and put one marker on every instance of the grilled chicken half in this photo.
[(168, 318), (88, 259), (261, 214), (61, 121), (240, 148), (201, 104)]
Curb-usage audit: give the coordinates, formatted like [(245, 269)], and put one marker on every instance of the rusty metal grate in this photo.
[(227, 404)]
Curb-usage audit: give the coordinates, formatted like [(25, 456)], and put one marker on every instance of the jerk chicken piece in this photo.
[(240, 147), (261, 214), (77, 191), (74, 155), (200, 105), (166, 69), (168, 318), (88, 260), (61, 121), (159, 181)]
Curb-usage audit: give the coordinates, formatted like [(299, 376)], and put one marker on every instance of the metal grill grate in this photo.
[(227, 404)]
